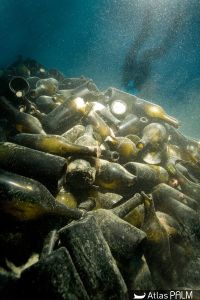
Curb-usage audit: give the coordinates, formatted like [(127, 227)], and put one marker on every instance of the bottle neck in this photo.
[(149, 209)]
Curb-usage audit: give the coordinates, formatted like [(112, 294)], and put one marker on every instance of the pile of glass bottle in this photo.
[(102, 183)]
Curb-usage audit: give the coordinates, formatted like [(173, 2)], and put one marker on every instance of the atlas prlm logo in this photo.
[(135, 296)]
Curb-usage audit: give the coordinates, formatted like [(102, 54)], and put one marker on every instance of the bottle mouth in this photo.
[(144, 120), (140, 145), (174, 122), (118, 107), (19, 86)]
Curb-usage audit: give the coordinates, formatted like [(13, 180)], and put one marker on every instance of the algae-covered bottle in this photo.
[(53, 144), (25, 199)]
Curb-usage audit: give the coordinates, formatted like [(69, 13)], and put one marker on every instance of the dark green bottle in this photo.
[(25, 199), (147, 175), (46, 168), (113, 177), (53, 144), (23, 122)]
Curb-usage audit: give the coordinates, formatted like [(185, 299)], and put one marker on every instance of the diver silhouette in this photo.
[(136, 70)]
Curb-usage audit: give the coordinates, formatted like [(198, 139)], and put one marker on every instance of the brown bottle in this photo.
[(153, 134), (25, 199), (23, 122), (53, 144), (157, 250)]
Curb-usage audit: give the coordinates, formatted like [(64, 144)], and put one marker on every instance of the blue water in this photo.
[(92, 38)]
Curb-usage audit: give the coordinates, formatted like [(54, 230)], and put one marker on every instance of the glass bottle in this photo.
[(105, 113), (188, 187), (157, 248), (41, 166), (124, 146), (23, 122), (97, 122), (48, 87), (54, 144), (25, 199), (186, 216), (172, 154), (113, 177), (80, 174), (153, 134), (132, 124), (147, 175), (163, 192), (66, 198), (87, 138), (64, 116), (74, 133), (154, 111)]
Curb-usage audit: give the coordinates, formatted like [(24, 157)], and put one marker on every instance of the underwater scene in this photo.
[(100, 149)]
